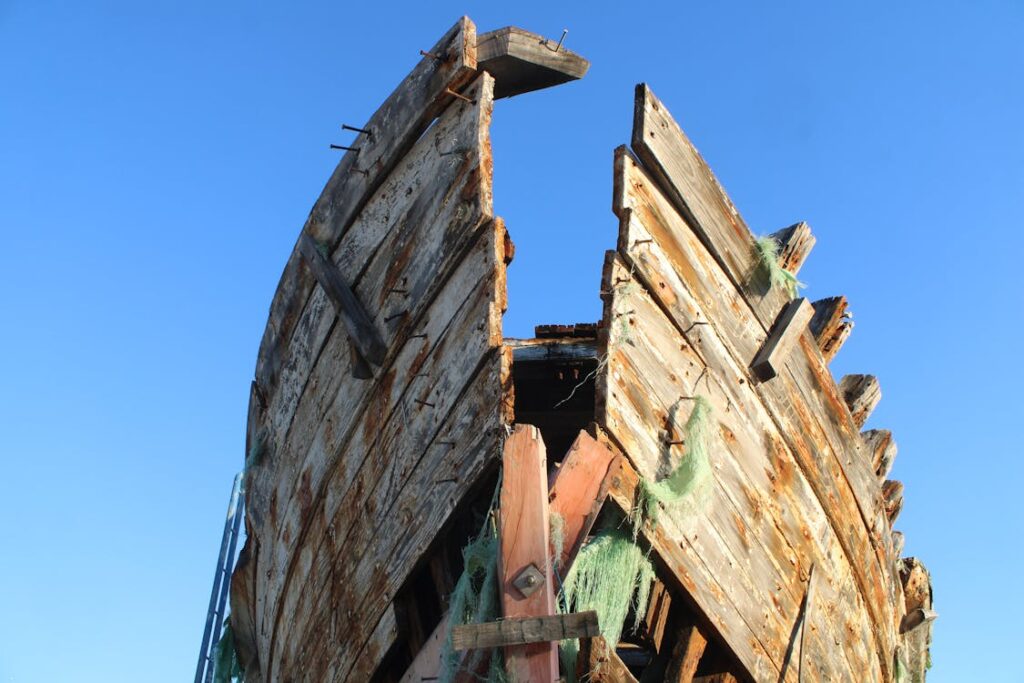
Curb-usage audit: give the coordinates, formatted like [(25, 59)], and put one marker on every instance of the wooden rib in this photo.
[(396, 125), (427, 664), (523, 542), (789, 326), (319, 408), (598, 663), (795, 244), (831, 325), (861, 394), (892, 494), (521, 61), (725, 677), (652, 626), (917, 589), (686, 655), (578, 492), (695, 293), (882, 449), (525, 630), (361, 331)]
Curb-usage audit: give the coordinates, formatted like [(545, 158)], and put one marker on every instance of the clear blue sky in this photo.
[(157, 160)]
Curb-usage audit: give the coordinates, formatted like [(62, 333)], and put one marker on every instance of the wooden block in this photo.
[(831, 325), (652, 626), (795, 244), (525, 550), (360, 327), (892, 495), (686, 655), (525, 630), (598, 663), (578, 493), (521, 61), (882, 448), (788, 327), (861, 394)]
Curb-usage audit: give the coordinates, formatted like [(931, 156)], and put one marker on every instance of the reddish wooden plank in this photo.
[(523, 538), (576, 494)]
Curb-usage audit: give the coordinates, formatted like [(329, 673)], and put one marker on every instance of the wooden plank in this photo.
[(892, 494), (360, 327), (882, 449), (393, 128), (652, 626), (686, 655), (416, 242), (804, 403), (525, 630), (788, 328), (861, 394), (578, 493), (598, 663), (795, 244), (426, 666), (377, 647), (521, 61), (243, 606), (831, 325), (531, 350), (525, 551), (725, 677), (406, 416)]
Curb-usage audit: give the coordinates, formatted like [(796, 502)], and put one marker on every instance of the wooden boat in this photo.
[(386, 401)]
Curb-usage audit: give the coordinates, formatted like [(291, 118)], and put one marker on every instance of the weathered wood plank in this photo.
[(360, 327), (394, 127), (525, 630), (917, 589), (598, 663), (243, 607), (521, 61), (795, 244), (407, 412), (662, 251), (782, 338), (524, 561), (892, 494), (831, 325), (805, 404), (652, 626), (377, 647), (427, 664), (436, 220), (862, 394), (686, 655), (725, 677), (578, 492)]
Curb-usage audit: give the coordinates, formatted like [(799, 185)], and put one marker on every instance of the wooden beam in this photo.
[(361, 332), (916, 626), (521, 61), (795, 244), (578, 492), (882, 448), (524, 565), (725, 677), (788, 328), (686, 655), (831, 325), (898, 541), (525, 630), (892, 495), (652, 626), (861, 394), (598, 663)]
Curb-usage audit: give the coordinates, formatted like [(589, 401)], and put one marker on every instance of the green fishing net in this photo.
[(768, 253), (226, 667)]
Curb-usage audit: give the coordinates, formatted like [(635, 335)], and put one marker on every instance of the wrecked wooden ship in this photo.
[(390, 421)]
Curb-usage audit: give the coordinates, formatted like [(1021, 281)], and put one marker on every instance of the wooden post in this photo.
[(579, 492), (524, 560), (686, 655)]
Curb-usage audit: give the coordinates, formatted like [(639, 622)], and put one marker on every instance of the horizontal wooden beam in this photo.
[(525, 630), (521, 61), (782, 339), (795, 244)]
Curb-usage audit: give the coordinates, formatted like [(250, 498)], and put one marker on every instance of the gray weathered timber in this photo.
[(383, 637), (831, 325), (394, 127), (360, 327), (524, 630), (521, 61), (892, 494), (644, 410), (823, 433), (528, 350), (917, 589), (882, 449), (404, 415), (861, 394), (795, 244), (782, 338), (667, 256)]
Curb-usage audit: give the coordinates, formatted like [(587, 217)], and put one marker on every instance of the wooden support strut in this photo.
[(360, 327), (788, 327), (524, 559)]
